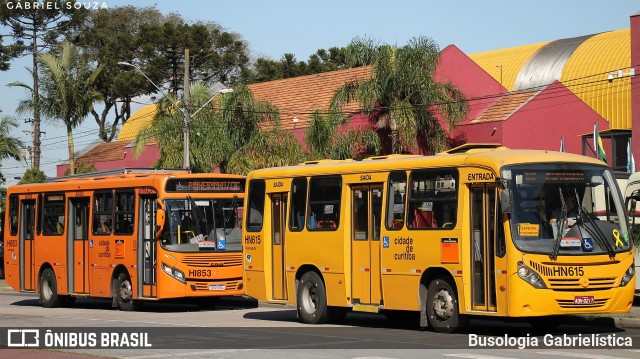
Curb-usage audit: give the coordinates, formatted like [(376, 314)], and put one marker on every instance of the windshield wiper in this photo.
[(198, 211), (595, 231), (560, 227), (234, 208)]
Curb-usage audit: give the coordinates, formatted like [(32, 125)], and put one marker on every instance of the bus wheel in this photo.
[(124, 293), (48, 289), (442, 307), (312, 299)]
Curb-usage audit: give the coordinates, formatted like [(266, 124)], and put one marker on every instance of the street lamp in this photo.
[(219, 88)]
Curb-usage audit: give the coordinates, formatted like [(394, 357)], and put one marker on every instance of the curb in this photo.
[(625, 323)]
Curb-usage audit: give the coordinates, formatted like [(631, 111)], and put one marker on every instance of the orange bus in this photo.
[(130, 237)]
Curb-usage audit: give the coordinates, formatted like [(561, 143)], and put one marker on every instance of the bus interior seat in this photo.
[(423, 219)]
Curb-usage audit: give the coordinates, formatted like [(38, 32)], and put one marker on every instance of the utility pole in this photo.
[(187, 162)]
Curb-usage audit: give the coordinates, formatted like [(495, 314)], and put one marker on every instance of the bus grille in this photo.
[(228, 260), (204, 287), (556, 283), (568, 303)]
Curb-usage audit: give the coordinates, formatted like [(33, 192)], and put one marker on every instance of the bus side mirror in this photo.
[(160, 217), (505, 201)]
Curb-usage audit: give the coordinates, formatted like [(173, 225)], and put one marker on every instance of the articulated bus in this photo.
[(129, 237), (464, 233)]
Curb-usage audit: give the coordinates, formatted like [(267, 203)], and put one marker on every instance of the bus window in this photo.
[(53, 215), (324, 203), (432, 199), (13, 215), (298, 204), (102, 213), (125, 206), (397, 195), (256, 205)]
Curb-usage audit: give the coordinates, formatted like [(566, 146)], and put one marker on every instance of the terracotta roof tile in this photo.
[(110, 151), (299, 96), (503, 108)]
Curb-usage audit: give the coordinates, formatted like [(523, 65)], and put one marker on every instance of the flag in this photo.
[(562, 144), (597, 144), (631, 162)]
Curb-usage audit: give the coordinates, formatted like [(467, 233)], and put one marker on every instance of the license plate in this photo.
[(583, 300), (217, 287)]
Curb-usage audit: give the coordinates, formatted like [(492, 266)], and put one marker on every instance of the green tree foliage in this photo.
[(214, 55), (402, 94), (82, 168), (109, 36), (68, 91), (34, 30), (288, 66), (326, 139), (32, 175), (9, 146), (224, 129), (268, 148)]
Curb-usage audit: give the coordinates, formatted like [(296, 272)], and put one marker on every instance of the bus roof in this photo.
[(493, 157), (115, 181)]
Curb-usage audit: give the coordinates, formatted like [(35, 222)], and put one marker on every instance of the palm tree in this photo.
[(325, 139), (226, 129), (402, 95), (67, 84), (10, 147)]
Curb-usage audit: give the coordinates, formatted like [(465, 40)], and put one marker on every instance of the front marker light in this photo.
[(628, 275), (173, 272)]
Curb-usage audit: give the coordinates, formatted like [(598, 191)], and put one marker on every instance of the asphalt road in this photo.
[(241, 328)]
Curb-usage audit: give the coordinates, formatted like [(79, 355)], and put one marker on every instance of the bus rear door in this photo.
[(278, 215), (77, 245), (147, 246), (365, 244), (27, 245)]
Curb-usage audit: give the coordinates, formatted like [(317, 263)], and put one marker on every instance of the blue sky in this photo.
[(275, 27)]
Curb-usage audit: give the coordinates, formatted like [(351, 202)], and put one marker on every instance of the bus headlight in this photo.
[(173, 272), (628, 275), (531, 277)]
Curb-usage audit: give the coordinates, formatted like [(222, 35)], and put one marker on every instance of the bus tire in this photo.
[(48, 289), (124, 293), (442, 307), (312, 299)]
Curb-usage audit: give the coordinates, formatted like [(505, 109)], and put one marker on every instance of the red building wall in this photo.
[(635, 85)]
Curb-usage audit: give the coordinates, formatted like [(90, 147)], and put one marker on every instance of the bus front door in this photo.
[(488, 262), (26, 245), (365, 244), (77, 247), (279, 214), (146, 246)]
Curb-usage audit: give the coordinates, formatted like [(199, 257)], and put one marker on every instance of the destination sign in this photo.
[(558, 176), (204, 185)]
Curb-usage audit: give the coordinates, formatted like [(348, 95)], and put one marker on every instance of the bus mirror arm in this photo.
[(160, 220), (505, 201)]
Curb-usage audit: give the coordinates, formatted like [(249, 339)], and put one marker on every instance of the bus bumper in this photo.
[(525, 300)]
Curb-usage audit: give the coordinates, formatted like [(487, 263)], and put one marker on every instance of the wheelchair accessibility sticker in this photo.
[(385, 242), (587, 244)]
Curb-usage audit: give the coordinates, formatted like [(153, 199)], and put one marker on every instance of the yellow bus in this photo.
[(462, 233), (130, 237)]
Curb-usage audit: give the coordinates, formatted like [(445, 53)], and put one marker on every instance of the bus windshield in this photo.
[(202, 225), (566, 209)]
